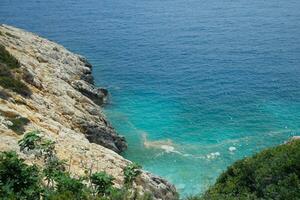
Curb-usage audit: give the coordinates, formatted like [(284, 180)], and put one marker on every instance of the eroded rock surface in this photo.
[(64, 105)]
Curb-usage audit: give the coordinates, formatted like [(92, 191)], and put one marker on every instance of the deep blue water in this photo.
[(205, 75)]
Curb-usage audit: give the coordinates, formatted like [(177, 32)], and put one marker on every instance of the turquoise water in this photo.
[(194, 77)]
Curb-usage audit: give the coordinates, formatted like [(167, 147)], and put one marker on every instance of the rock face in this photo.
[(64, 105)]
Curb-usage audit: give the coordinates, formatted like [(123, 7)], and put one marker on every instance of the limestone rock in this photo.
[(97, 95), (64, 106)]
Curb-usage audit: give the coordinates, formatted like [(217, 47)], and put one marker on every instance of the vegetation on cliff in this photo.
[(19, 180), (271, 174), (10, 73)]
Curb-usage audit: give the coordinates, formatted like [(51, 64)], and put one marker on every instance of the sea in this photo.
[(195, 85)]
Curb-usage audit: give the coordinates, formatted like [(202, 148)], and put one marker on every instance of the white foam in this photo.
[(232, 149), (167, 148), (213, 155)]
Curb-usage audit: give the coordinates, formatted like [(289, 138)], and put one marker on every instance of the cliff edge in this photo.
[(54, 93)]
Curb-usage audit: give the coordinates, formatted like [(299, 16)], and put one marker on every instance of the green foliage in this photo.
[(7, 59), (47, 148), (30, 141), (21, 181), (66, 184), (14, 85), (119, 194), (127, 194), (34, 141), (103, 182), (65, 195), (53, 169), (8, 70), (18, 180), (44, 148), (18, 124), (131, 172), (271, 174)]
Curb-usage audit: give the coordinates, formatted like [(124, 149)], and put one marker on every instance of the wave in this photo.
[(166, 145)]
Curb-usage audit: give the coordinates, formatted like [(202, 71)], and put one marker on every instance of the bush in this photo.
[(8, 69), (103, 182), (131, 172), (14, 85), (53, 168), (21, 181), (30, 141), (18, 180), (7, 59), (65, 184), (271, 174)]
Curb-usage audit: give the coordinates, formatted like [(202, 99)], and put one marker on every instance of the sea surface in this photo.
[(195, 84)]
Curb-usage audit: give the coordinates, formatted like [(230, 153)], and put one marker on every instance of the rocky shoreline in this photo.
[(64, 104)]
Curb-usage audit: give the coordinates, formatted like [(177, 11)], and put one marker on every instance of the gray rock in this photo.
[(95, 94), (85, 61), (157, 186), (31, 78), (104, 136), (104, 91)]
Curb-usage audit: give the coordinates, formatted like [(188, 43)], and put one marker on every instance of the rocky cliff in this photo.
[(59, 99)]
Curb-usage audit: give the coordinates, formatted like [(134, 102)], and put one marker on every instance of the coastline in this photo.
[(64, 105)]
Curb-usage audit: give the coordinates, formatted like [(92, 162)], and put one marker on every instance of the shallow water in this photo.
[(188, 79)]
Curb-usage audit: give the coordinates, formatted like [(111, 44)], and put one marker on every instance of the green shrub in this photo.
[(47, 148), (18, 124), (103, 182), (30, 141), (20, 181), (128, 194), (7, 59), (53, 168), (271, 174), (14, 85), (131, 172), (17, 179), (8, 67), (66, 184)]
